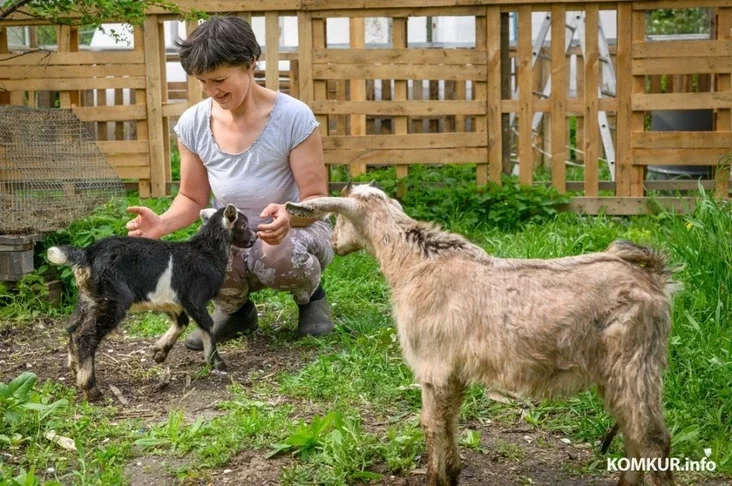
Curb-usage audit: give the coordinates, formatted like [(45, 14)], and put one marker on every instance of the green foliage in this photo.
[(26, 300), (448, 194), (679, 21), (92, 12), (22, 416), (307, 439), (15, 399), (174, 434), (332, 450)]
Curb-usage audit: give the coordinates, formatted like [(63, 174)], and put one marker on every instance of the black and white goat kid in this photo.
[(118, 274)]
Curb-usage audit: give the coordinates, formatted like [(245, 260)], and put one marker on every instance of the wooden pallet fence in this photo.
[(405, 103)]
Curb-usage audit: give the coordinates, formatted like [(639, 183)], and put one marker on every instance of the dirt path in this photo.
[(506, 456)]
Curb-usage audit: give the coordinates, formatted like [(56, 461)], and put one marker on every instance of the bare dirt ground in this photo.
[(533, 457)]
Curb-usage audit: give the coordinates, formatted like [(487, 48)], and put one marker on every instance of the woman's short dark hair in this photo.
[(217, 42)]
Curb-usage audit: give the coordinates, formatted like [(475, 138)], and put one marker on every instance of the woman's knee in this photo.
[(285, 266)]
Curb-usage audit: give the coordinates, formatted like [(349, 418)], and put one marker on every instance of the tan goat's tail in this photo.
[(648, 258)]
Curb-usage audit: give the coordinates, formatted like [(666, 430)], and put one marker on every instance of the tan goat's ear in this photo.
[(316, 208), (347, 190)]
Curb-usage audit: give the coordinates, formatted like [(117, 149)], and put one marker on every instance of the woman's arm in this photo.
[(308, 167)]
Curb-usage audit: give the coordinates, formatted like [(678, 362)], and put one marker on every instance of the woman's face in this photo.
[(227, 85)]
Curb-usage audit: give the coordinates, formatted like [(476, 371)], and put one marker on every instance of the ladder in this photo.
[(576, 26)]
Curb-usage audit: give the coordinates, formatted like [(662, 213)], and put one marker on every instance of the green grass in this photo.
[(355, 377)]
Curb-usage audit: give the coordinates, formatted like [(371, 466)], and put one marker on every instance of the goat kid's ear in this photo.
[(206, 214), (230, 214), (316, 208)]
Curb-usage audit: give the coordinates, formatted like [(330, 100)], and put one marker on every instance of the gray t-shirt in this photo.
[(259, 175)]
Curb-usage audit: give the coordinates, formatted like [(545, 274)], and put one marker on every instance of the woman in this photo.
[(257, 149)]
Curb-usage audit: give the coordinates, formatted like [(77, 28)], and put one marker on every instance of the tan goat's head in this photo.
[(354, 211)]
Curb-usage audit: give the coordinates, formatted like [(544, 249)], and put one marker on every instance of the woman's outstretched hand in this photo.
[(273, 233), (147, 224)]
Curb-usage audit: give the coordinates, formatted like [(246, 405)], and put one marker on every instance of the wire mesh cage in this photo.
[(51, 170)]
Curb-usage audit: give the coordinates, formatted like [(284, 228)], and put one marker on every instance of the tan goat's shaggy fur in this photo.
[(536, 328)]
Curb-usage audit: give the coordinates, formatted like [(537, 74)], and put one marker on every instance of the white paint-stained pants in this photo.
[(295, 265)]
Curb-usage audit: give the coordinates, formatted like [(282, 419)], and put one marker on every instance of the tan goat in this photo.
[(536, 328)]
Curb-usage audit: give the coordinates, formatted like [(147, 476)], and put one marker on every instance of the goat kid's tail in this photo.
[(646, 257), (67, 255)]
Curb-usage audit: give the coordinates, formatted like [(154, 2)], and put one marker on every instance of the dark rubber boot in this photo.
[(315, 317), (226, 327)]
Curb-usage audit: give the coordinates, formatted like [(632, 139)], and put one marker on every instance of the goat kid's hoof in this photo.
[(220, 366), (93, 395), (159, 355)]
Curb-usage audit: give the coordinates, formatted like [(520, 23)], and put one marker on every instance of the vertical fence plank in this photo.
[(399, 39), (592, 74), (724, 117), (623, 119), (63, 44), (102, 127), (305, 61), (340, 95), (358, 89), (119, 127), (559, 98), (495, 130), (580, 117), (153, 100), (481, 94), (460, 94), (141, 126), (525, 151), (8, 97), (4, 95), (272, 50), (193, 89), (637, 118), (295, 78), (320, 87), (164, 100), (74, 47)]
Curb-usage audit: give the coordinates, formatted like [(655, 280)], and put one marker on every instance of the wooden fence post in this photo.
[(724, 116), (637, 118), (623, 119), (592, 73), (358, 90), (399, 39), (559, 99), (493, 98), (272, 50), (193, 89), (4, 95), (154, 105), (526, 112), (481, 94)]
